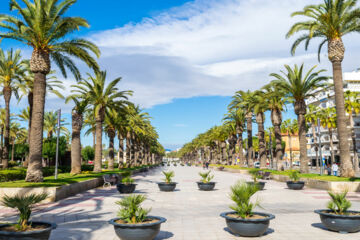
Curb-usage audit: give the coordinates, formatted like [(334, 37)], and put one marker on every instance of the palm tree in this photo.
[(290, 127), (352, 106), (330, 21), (78, 110), (16, 131), (328, 120), (311, 118), (276, 102), (46, 27), (2, 129), (11, 71), (50, 124), (111, 118), (299, 87), (103, 98), (90, 123)]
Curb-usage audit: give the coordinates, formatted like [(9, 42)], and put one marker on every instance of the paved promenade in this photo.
[(191, 214)]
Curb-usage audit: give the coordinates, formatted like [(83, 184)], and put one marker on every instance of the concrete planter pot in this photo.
[(248, 227), (146, 231), (126, 188), (206, 186), (220, 168), (167, 187), (295, 185), (260, 185), (339, 223), (43, 234)]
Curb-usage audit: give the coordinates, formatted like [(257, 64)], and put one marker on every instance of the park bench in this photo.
[(266, 175), (109, 180)]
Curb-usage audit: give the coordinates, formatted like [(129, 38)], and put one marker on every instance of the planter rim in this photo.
[(126, 184), (160, 220), (199, 182), (163, 183), (255, 182), (50, 227), (267, 215), (301, 182), (320, 212)]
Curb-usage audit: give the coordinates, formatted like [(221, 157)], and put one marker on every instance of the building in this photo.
[(293, 143), (325, 98)]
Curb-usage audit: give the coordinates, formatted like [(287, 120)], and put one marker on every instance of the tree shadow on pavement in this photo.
[(269, 231), (164, 235)]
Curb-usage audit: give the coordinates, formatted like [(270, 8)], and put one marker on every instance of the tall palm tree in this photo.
[(45, 26), (352, 106), (330, 21), (90, 123), (103, 98), (299, 87), (290, 127), (276, 102), (328, 120), (77, 112), (50, 124), (311, 118), (11, 71), (111, 120)]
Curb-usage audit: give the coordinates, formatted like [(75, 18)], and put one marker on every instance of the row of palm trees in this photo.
[(45, 26), (329, 21)]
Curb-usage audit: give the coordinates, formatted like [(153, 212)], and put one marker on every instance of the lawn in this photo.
[(304, 175), (63, 179)]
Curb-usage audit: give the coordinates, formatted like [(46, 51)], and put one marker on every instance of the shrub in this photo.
[(12, 175), (88, 153), (206, 177), (13, 164), (24, 204), (338, 203), (168, 176), (127, 178), (255, 173), (294, 175), (241, 193), (131, 211), (89, 168)]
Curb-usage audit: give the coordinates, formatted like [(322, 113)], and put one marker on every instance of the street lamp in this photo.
[(57, 144)]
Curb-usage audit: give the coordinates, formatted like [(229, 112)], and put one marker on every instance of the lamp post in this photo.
[(319, 147), (57, 144)]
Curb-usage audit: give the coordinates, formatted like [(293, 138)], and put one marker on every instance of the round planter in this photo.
[(260, 185), (147, 231), (295, 185), (167, 187), (206, 186), (220, 168), (339, 223), (43, 234), (248, 227), (125, 188)]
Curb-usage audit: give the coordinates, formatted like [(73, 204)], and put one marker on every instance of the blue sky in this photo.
[(185, 59)]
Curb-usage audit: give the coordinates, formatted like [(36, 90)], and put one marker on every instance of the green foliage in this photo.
[(338, 203), (49, 147), (131, 211), (126, 178), (294, 175), (24, 204), (241, 193), (12, 174), (88, 153), (168, 176), (206, 177), (255, 173)]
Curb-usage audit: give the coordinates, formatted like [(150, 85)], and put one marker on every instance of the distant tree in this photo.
[(88, 153), (49, 148)]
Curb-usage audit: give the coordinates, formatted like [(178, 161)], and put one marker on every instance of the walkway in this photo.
[(191, 214)]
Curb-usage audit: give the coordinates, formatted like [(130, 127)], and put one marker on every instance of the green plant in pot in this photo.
[(338, 217), (243, 220), (133, 222), (127, 183), (25, 228), (205, 183), (168, 185), (255, 174), (295, 184)]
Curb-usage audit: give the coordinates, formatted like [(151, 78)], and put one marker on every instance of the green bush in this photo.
[(241, 193), (294, 175), (12, 175), (89, 168), (131, 211), (12, 164), (206, 177), (126, 178), (338, 203), (255, 173), (168, 176), (88, 153)]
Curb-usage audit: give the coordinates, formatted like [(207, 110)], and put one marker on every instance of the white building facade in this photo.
[(325, 98)]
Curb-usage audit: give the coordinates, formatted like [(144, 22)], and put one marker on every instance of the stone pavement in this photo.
[(191, 214)]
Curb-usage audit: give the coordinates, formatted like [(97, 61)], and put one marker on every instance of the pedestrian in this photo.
[(207, 164), (328, 168), (335, 169)]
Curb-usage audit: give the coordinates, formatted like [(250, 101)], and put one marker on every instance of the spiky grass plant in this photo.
[(24, 204), (294, 175), (168, 176), (338, 203), (206, 177), (241, 194), (126, 178), (131, 211), (255, 173)]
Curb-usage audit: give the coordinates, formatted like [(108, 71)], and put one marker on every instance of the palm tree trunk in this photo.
[(250, 141), (30, 101), (128, 149), (1, 143), (121, 148), (111, 134), (303, 143), (290, 148), (13, 150), (7, 96), (98, 147), (331, 146), (260, 118), (34, 172), (77, 120), (336, 55), (278, 146), (316, 147)]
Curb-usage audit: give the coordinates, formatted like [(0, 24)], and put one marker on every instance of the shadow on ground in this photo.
[(269, 231)]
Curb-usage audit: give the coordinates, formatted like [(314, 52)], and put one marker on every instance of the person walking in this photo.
[(328, 168), (335, 169), (207, 165)]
